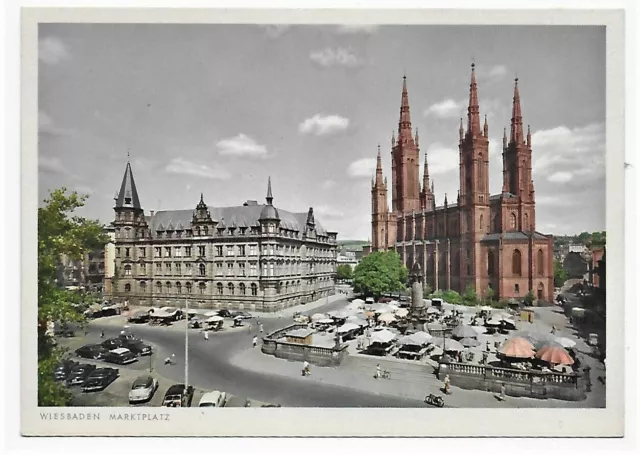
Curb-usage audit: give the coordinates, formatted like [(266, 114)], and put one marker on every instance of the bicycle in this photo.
[(383, 375)]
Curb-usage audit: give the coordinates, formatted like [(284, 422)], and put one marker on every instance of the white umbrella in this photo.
[(393, 308), (478, 328), (192, 312), (421, 337), (318, 317), (407, 340), (449, 345), (402, 312), (485, 308), (325, 321), (464, 331), (566, 342), (387, 317), (348, 327), (433, 310), (215, 319), (382, 336), (357, 320), (209, 314), (358, 301)]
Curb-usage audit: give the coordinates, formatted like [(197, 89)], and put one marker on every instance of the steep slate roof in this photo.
[(518, 235), (499, 196), (241, 215), (128, 190)]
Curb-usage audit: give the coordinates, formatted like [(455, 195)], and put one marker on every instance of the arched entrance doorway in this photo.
[(540, 291)]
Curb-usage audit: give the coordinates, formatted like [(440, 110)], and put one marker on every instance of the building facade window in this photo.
[(179, 287), (243, 289), (242, 250), (253, 250), (526, 221), (127, 287), (143, 252), (202, 270), (188, 286), (220, 288), (218, 250), (219, 268), (167, 268), (117, 252), (253, 270), (168, 286), (202, 288), (187, 251), (512, 221), (158, 251), (490, 263), (230, 250), (159, 287), (540, 265), (177, 252), (229, 269), (127, 269), (158, 268), (201, 251), (254, 289), (167, 251), (516, 289), (143, 286), (231, 288), (178, 268), (516, 263), (241, 267), (481, 222), (188, 268)]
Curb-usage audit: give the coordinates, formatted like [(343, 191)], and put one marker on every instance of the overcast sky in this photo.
[(217, 109)]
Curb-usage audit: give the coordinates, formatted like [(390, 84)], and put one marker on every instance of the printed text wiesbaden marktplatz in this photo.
[(128, 416)]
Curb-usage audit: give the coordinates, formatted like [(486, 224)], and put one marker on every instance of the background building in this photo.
[(478, 239), (253, 256)]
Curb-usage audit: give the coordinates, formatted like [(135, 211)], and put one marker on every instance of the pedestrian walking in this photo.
[(378, 372), (447, 385), (255, 341), (102, 334), (206, 335), (260, 326), (553, 329), (503, 390), (488, 346)]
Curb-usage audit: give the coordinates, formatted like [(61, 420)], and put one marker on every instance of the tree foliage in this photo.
[(489, 295), (344, 272), (529, 298), (560, 275), (60, 233), (451, 296), (380, 272), (470, 297)]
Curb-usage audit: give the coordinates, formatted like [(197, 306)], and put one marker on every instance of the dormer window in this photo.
[(127, 200)]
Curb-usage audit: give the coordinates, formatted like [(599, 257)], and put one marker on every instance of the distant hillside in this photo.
[(352, 244)]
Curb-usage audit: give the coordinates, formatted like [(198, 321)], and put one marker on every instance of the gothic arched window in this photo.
[(127, 287), (220, 288), (254, 289), (512, 221), (158, 286), (179, 287), (143, 286), (540, 264), (491, 264), (516, 263), (232, 289), (202, 287), (243, 289), (481, 222), (526, 221), (202, 269), (188, 286)]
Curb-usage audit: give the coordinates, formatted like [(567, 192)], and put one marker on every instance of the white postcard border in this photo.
[(329, 421)]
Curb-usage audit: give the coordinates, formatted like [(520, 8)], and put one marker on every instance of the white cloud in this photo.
[(339, 56), (497, 72), (442, 159), (364, 167), (328, 184), (445, 109), (321, 125), (241, 145), (276, 30), (50, 165), (561, 152), (560, 177), (52, 51), (357, 28), (182, 166)]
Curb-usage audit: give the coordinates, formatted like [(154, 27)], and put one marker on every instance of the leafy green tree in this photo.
[(344, 272), (489, 295), (560, 275), (500, 304), (59, 233), (470, 297), (380, 272), (437, 295), (451, 296), (529, 298)]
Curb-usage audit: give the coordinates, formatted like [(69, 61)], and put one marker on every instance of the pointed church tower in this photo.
[(405, 161), (379, 208), (129, 221), (427, 198)]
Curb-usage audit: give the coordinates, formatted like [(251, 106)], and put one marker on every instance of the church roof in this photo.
[(241, 215), (517, 235), (128, 195)]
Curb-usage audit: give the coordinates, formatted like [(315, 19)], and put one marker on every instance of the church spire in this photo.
[(425, 176), (486, 127), (517, 135), (379, 169), (473, 115), (128, 195), (404, 125)]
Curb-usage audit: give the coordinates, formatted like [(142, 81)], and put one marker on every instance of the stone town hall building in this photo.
[(250, 257), (488, 241)]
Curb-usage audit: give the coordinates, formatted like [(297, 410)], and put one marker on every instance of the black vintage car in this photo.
[(100, 379), (138, 347), (177, 396), (224, 313), (120, 356), (79, 374), (63, 370), (113, 343), (92, 351), (127, 337)]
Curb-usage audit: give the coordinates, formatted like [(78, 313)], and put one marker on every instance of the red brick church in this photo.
[(488, 241)]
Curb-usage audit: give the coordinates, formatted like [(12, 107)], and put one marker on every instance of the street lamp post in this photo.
[(186, 343)]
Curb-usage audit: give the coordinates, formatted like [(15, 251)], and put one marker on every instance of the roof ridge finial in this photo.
[(269, 194)]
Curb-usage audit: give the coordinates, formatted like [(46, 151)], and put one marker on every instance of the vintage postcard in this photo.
[(322, 223)]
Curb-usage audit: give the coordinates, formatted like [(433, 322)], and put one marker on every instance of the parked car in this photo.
[(113, 343), (127, 337), (140, 317), (64, 369), (178, 396), (142, 389), (92, 351), (224, 313), (120, 356), (213, 399), (238, 402), (100, 379), (79, 374), (240, 315), (138, 347)]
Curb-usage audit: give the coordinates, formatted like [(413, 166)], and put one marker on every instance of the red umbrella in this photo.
[(517, 347), (555, 355)]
